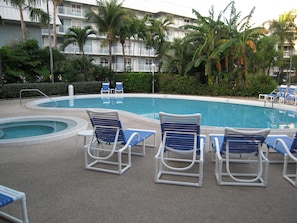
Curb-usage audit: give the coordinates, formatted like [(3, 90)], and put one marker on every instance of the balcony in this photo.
[(288, 53), (71, 12)]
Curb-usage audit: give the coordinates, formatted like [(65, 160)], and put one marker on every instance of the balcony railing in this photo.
[(288, 53), (116, 50), (72, 12)]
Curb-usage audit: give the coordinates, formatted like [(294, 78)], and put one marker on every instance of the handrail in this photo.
[(39, 91)]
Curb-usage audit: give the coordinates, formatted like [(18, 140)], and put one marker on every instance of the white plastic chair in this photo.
[(109, 149), (181, 153), (119, 88), (105, 88), (8, 196), (239, 158), (287, 147)]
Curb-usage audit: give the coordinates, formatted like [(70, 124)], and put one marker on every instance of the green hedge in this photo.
[(142, 83)]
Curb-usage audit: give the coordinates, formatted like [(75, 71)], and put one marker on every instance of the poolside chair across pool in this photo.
[(181, 153), (239, 158), (105, 89), (290, 96), (119, 88), (275, 94), (110, 147)]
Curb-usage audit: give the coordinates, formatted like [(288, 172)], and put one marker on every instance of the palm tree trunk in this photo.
[(22, 23), (110, 55), (124, 56), (245, 69), (84, 65)]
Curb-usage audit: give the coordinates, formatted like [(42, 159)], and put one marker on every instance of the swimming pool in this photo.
[(216, 112), (38, 129)]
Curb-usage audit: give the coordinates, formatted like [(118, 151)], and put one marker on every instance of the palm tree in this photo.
[(55, 4), (266, 54), (208, 38), (244, 37), (125, 32), (108, 20), (156, 37), (140, 30), (284, 29), (177, 56), (35, 13), (79, 36)]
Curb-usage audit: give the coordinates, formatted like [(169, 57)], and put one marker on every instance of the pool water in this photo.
[(217, 114), (23, 129)]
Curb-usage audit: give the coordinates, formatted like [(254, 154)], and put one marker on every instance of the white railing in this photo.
[(37, 90), (68, 11)]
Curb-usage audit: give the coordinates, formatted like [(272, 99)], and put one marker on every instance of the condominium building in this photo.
[(71, 13)]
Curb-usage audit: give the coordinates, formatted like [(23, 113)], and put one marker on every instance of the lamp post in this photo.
[(153, 66)]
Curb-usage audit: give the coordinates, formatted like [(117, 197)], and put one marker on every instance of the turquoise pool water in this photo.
[(217, 114), (28, 130), (22, 129)]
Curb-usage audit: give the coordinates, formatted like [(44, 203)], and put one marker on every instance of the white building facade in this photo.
[(71, 13)]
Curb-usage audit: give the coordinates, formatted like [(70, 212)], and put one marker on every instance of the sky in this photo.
[(264, 10)]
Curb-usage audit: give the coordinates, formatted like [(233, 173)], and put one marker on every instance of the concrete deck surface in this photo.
[(59, 189)]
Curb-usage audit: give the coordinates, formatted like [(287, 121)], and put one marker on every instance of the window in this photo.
[(148, 61), (103, 61), (127, 61), (76, 23), (76, 9)]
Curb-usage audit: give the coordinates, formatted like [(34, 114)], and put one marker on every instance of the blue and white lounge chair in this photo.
[(287, 147), (275, 94), (119, 88), (237, 147), (290, 96), (109, 149), (8, 196), (181, 152), (105, 89)]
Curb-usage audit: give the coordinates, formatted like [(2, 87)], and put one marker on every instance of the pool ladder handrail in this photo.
[(39, 91)]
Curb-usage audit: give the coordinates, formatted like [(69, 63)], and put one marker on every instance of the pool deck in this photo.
[(59, 189)]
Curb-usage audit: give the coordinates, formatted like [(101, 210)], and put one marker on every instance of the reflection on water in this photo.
[(280, 119), (213, 113)]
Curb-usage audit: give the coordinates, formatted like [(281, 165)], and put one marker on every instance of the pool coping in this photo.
[(80, 124)]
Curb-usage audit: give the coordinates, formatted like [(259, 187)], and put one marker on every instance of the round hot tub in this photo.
[(38, 129)]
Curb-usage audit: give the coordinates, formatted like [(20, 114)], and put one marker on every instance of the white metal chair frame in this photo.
[(168, 158), (288, 156), (290, 95), (8, 196), (119, 88), (289, 153), (275, 94), (94, 150), (105, 89), (102, 150), (224, 158)]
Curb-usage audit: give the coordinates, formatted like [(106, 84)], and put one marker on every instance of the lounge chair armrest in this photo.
[(218, 149), (160, 150), (127, 144), (279, 140)]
